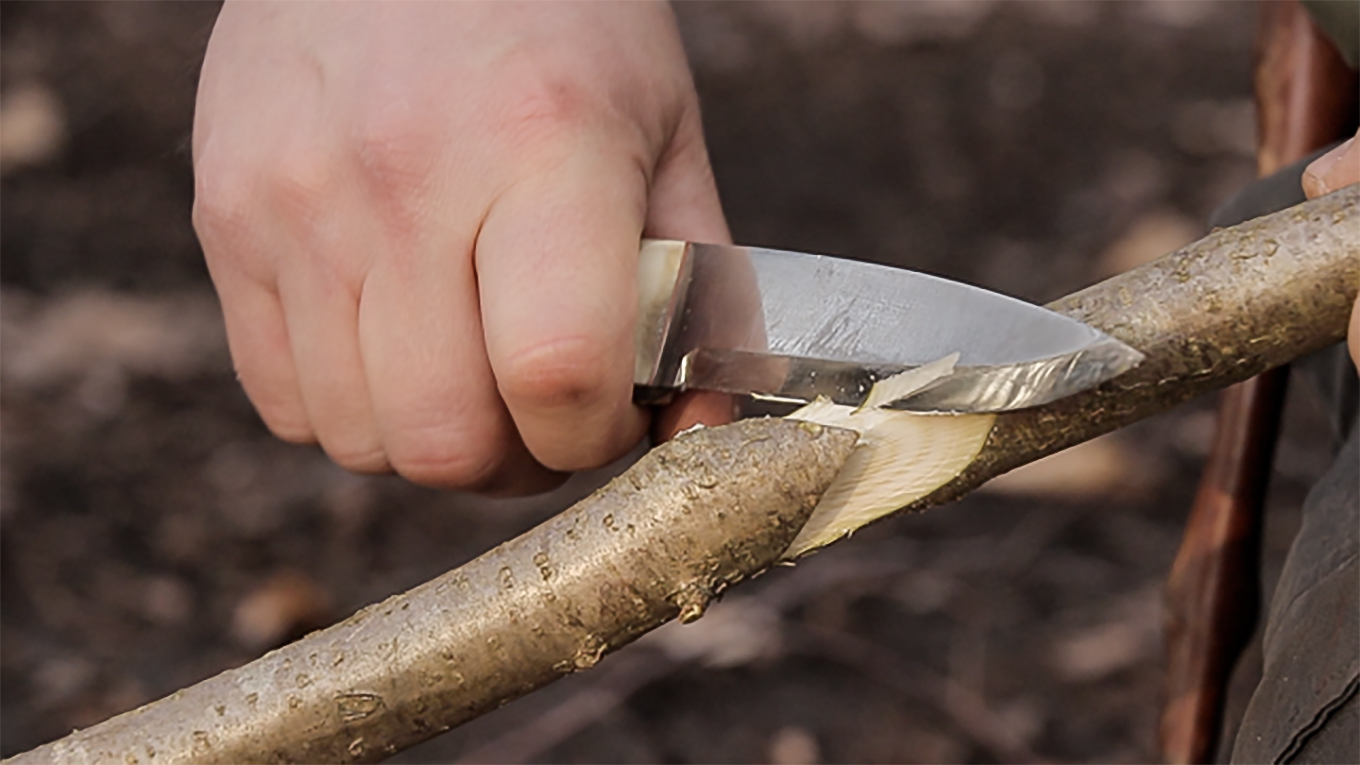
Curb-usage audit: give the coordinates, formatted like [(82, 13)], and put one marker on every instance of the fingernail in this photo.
[(1315, 175)]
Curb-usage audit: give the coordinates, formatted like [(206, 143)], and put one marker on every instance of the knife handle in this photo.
[(663, 271)]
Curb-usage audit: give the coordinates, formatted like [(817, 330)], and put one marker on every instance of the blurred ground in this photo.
[(154, 533)]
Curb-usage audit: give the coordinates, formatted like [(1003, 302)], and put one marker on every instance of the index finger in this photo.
[(557, 271)]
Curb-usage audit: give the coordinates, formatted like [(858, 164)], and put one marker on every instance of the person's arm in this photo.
[(423, 219), (1338, 168)]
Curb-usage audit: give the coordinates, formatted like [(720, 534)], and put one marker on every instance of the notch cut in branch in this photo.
[(1218, 311)]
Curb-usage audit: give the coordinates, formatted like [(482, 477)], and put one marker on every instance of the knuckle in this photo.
[(300, 185), (443, 458), (541, 107), (394, 150), (223, 204), (558, 374)]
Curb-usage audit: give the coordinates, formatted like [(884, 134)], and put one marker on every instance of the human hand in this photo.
[(423, 220), (1338, 168)]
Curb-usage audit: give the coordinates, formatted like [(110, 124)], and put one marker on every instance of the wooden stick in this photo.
[(693, 517), (1230, 306), (1305, 99), (712, 508)]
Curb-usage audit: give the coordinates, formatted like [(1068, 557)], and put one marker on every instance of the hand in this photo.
[(1338, 168), (423, 219)]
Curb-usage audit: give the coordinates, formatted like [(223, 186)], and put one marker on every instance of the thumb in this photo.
[(684, 204), (1336, 169)]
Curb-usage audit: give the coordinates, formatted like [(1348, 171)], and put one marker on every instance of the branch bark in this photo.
[(1305, 99), (1218, 311), (712, 508), (693, 517)]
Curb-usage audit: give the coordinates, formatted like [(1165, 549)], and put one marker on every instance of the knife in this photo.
[(790, 327)]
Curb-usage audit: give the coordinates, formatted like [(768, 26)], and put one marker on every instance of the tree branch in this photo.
[(693, 517), (1218, 311), (715, 507)]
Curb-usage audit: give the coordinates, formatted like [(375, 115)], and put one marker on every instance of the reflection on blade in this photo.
[(791, 326), (969, 389), (1016, 386)]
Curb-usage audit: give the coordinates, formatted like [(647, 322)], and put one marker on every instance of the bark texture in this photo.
[(712, 508), (1230, 306), (1305, 99), (694, 516)]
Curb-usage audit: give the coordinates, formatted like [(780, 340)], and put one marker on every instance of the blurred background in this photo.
[(154, 533)]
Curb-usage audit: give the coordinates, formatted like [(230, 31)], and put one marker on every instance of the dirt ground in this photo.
[(154, 533)]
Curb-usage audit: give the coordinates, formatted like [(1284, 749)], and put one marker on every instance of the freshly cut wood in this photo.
[(1238, 302), (901, 456), (899, 386), (714, 507), (1215, 312)]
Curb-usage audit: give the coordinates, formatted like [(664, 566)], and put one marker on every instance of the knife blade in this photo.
[(789, 327)]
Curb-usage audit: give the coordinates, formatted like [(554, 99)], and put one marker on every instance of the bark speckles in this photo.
[(692, 600), (687, 521), (465, 643), (355, 706), (1230, 306)]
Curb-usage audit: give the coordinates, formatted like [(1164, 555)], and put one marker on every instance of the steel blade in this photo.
[(792, 326)]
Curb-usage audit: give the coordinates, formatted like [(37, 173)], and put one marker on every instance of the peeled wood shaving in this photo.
[(900, 457), (912, 381)]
